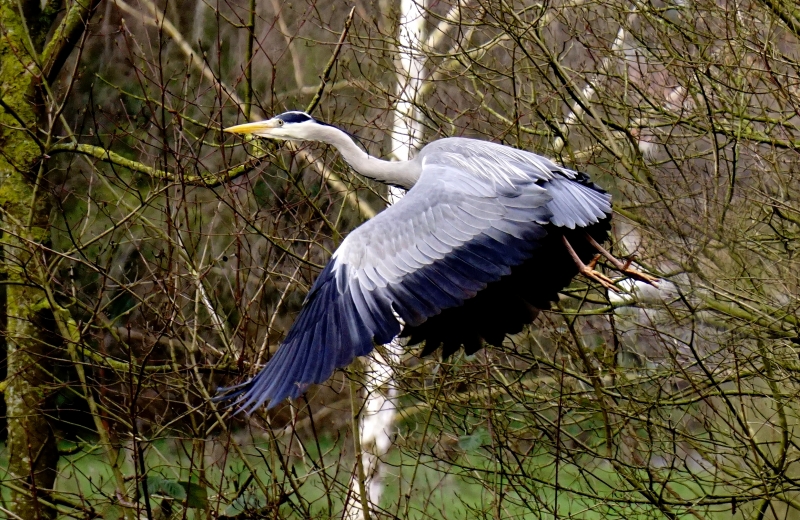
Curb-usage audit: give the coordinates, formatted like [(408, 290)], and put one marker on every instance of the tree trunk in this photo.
[(380, 408), (25, 214)]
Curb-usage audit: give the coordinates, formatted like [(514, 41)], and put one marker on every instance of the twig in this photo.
[(208, 179), (162, 22), (327, 71), (332, 179), (359, 476), (248, 68)]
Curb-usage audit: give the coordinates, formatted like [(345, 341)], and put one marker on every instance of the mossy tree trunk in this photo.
[(26, 63)]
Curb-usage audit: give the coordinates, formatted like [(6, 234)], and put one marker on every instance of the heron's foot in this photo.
[(588, 270), (623, 267), (630, 272)]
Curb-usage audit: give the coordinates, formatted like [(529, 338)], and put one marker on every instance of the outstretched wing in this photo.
[(452, 234)]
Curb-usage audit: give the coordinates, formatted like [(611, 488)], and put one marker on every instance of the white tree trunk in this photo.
[(379, 411)]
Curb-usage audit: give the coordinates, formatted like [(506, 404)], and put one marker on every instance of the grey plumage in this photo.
[(476, 240)]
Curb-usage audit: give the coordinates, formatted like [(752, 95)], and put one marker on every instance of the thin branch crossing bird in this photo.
[(485, 238)]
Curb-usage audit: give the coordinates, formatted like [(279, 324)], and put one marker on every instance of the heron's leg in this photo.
[(625, 267), (588, 270)]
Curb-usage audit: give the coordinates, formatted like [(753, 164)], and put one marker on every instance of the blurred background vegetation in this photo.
[(149, 259)]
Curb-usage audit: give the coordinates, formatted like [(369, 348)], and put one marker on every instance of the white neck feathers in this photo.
[(397, 173)]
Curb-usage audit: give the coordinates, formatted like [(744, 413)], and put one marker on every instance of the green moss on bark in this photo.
[(31, 442)]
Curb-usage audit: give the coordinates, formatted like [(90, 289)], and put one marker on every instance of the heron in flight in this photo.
[(485, 238)]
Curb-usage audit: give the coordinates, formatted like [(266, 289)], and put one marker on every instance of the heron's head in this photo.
[(289, 126)]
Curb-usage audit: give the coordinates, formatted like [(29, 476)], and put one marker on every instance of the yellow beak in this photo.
[(252, 128)]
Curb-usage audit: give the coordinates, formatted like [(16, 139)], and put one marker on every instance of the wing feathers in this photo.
[(411, 308), (434, 242), (575, 204), (387, 269), (371, 279), (407, 261), (428, 251), (453, 238)]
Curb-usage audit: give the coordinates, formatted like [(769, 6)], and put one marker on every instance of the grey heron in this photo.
[(486, 236)]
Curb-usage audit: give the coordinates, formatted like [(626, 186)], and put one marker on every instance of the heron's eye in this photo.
[(280, 122)]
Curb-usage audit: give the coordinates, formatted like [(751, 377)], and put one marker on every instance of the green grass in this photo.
[(466, 482)]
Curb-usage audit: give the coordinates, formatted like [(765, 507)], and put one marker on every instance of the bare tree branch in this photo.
[(66, 36)]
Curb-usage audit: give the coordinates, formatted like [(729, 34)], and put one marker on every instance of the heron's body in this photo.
[(472, 252)]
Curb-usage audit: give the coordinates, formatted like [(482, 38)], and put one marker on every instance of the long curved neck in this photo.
[(397, 173)]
